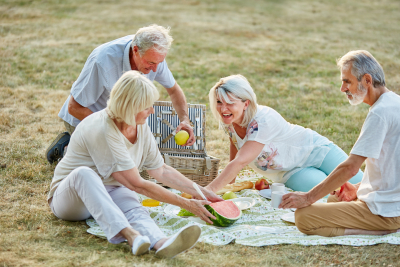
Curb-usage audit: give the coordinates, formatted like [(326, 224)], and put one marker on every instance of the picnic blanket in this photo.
[(260, 225)]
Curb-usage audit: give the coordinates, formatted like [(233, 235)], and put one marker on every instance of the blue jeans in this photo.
[(309, 177)]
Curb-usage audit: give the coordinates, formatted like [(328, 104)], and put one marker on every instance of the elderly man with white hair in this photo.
[(371, 207), (145, 52)]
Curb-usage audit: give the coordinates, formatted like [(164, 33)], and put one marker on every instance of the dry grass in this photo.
[(287, 49)]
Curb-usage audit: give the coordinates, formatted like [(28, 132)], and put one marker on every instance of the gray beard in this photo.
[(359, 97)]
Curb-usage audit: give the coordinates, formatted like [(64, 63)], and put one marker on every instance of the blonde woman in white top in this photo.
[(261, 138), (99, 175)]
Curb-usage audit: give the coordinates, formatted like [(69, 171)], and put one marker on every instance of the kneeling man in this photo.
[(371, 207)]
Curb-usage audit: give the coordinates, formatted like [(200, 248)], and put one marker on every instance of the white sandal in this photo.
[(185, 239)]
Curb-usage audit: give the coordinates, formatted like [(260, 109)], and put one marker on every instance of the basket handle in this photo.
[(208, 166)]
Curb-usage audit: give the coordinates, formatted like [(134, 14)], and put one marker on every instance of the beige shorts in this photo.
[(69, 127), (332, 218)]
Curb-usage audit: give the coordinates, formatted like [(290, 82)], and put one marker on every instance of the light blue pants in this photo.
[(309, 177)]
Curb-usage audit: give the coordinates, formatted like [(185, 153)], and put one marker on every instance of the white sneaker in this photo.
[(185, 239), (141, 245)]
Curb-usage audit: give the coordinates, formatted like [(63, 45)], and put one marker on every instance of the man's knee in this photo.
[(70, 129), (304, 220), (301, 219)]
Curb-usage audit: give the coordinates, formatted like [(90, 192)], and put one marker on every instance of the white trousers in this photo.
[(82, 194)]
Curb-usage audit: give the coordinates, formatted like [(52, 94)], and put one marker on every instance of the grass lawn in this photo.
[(287, 50)]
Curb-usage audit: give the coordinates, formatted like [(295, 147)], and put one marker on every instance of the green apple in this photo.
[(229, 195), (181, 137)]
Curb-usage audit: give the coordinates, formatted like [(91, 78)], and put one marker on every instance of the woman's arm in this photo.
[(249, 151), (232, 155), (232, 150), (132, 180), (174, 179)]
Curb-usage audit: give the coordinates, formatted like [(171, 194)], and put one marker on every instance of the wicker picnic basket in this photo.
[(193, 162)]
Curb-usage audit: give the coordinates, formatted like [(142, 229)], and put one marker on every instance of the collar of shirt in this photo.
[(126, 64)]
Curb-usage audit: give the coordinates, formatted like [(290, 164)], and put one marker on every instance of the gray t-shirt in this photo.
[(103, 68), (99, 144), (379, 141)]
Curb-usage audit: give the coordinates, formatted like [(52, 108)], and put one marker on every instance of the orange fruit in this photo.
[(150, 202)]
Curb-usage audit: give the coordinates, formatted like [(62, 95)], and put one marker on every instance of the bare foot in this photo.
[(160, 243)]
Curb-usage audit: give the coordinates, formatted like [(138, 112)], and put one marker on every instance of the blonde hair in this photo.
[(131, 94), (153, 36), (362, 62), (238, 88)]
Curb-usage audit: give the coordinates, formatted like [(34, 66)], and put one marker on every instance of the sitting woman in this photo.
[(99, 174), (261, 138)]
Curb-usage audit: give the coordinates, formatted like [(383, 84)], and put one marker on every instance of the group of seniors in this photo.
[(108, 143)]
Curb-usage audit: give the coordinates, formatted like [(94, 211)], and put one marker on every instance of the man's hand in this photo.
[(185, 125), (348, 192), (197, 207), (179, 102), (295, 200)]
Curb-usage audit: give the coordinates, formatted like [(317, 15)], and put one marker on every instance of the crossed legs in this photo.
[(343, 218)]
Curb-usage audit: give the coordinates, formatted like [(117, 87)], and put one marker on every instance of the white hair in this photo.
[(153, 36), (362, 62), (131, 94), (238, 88)]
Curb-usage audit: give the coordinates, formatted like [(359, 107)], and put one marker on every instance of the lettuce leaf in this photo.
[(184, 212)]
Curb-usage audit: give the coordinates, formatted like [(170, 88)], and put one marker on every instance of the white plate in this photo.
[(288, 217), (244, 202), (172, 209), (267, 193)]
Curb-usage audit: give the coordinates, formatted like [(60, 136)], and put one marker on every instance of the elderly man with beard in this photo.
[(371, 207)]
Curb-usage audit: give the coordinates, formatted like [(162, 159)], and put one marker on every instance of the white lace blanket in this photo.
[(254, 227)]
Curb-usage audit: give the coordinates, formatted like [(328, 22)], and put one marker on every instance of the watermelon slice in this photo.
[(226, 213)]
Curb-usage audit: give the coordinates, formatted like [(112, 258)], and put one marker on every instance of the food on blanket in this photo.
[(181, 137), (150, 202), (226, 213), (186, 195), (262, 184), (184, 212), (229, 195), (236, 187)]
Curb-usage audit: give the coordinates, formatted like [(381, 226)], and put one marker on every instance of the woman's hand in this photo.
[(249, 151), (211, 196), (197, 207), (209, 188)]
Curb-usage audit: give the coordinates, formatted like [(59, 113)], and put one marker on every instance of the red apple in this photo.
[(262, 184)]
